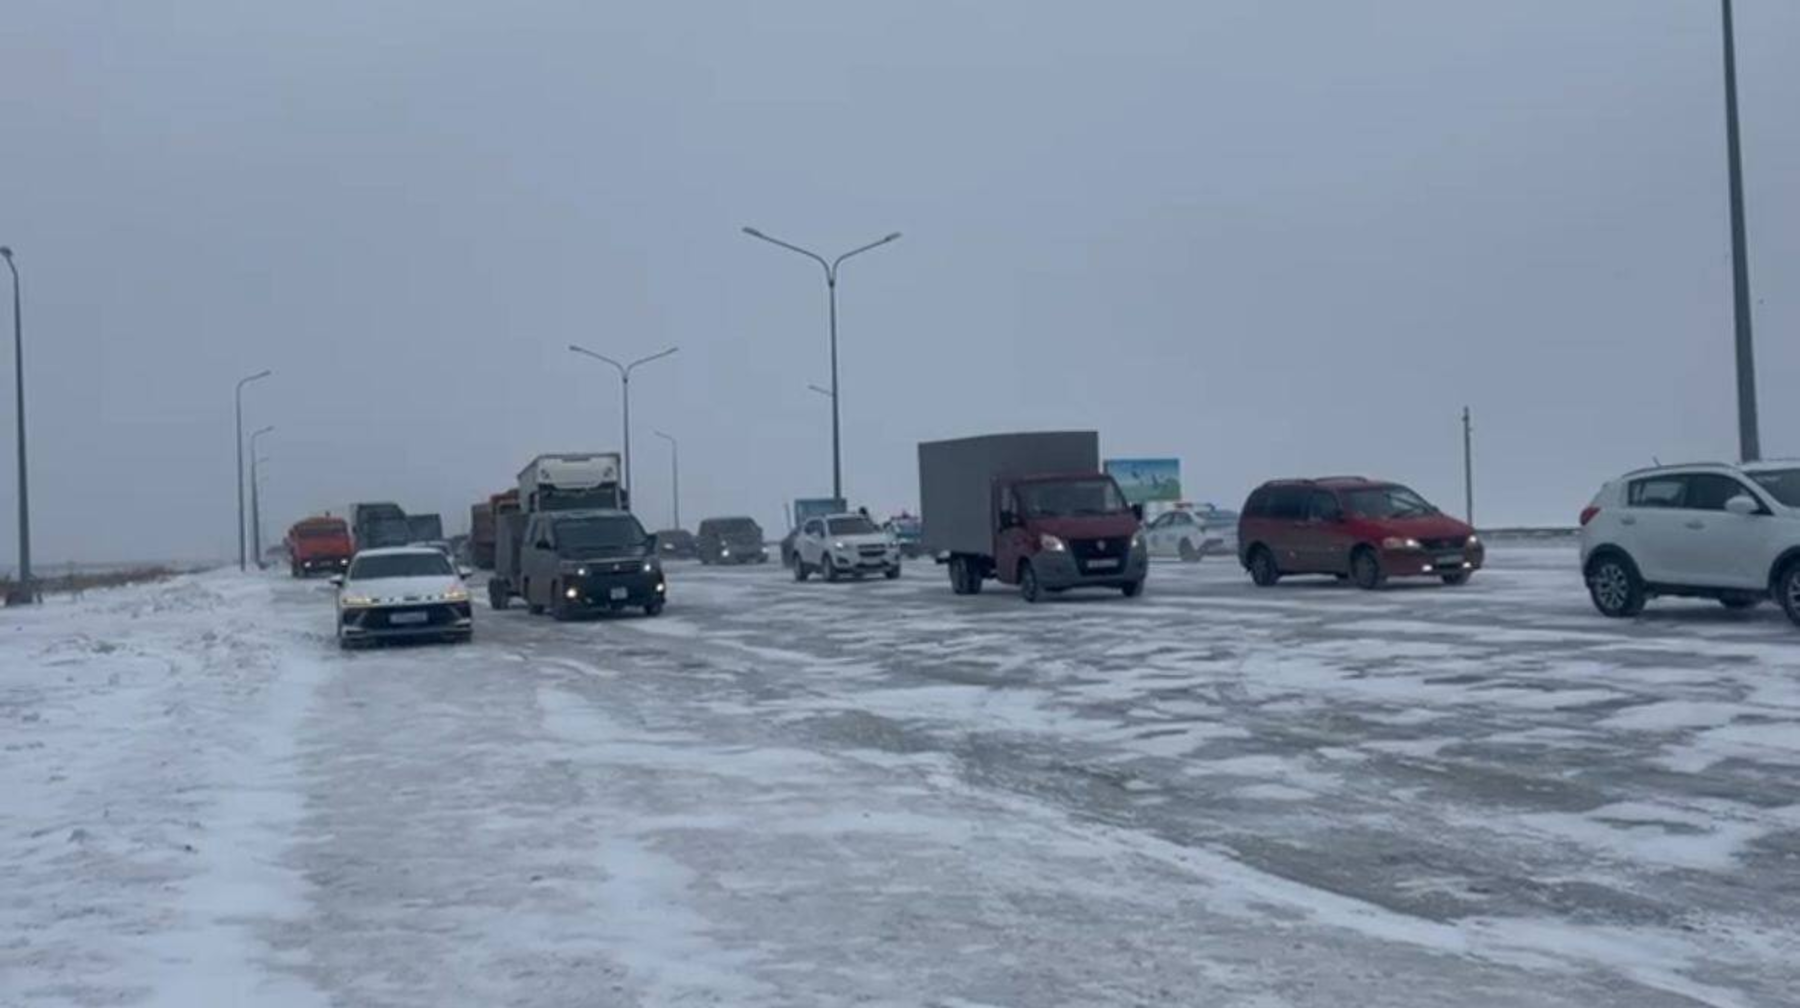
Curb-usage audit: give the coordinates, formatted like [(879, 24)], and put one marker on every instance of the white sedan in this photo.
[(402, 592), (1191, 535)]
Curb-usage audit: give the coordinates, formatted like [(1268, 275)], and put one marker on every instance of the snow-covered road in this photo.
[(882, 794)]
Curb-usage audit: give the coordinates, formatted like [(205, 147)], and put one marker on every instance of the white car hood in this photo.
[(852, 541), (403, 589)]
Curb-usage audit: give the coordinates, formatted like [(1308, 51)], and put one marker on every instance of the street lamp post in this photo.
[(831, 275), (22, 593), (625, 394), (1749, 439), (674, 472), (238, 399), (256, 500)]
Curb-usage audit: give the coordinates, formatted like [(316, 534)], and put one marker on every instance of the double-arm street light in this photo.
[(238, 399), (625, 394), (1749, 438), (22, 592), (674, 472), (256, 499), (831, 275)]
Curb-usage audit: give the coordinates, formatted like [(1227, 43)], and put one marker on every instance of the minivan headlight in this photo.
[(1399, 543), (1054, 544)]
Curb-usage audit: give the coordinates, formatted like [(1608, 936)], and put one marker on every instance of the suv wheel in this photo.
[(1787, 591), (828, 565), (1365, 569), (1614, 585), (800, 571), (1262, 567), (1029, 588)]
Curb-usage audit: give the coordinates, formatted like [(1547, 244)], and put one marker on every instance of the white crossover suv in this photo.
[(844, 545), (1716, 530)]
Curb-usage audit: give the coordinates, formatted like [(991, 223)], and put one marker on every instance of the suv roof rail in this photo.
[(1683, 465)]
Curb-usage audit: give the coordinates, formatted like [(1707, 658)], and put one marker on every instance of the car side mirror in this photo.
[(544, 544), (337, 580), (1138, 510), (1743, 504), (465, 572)]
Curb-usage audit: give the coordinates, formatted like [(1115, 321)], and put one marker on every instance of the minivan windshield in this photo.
[(1388, 502), (737, 528), (576, 536), (397, 565), (1070, 499), (1782, 484), (857, 525)]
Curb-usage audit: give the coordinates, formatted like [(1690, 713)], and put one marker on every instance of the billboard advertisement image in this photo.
[(1147, 480)]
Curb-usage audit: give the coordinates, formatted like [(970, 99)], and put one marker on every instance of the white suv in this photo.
[(1726, 532), (842, 545)]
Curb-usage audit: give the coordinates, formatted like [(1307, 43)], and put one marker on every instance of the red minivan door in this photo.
[(1012, 541)]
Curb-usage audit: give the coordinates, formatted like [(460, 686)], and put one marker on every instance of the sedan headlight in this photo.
[(1474, 541), (840, 544), (1399, 543), (1052, 543), (357, 601), (457, 595), (1137, 540)]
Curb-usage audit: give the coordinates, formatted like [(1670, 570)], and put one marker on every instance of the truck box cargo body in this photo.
[(1032, 509), (572, 480), (481, 535), (425, 527), (377, 524)]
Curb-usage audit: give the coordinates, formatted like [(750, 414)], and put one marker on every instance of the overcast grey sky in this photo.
[(1270, 238)]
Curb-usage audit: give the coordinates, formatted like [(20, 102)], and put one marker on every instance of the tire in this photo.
[(653, 608), (828, 568), (1029, 588), (892, 573), (498, 596), (560, 610), (1188, 553), (1615, 586), (1787, 591), (1740, 603), (1263, 570), (800, 571), (1132, 589), (1458, 578), (1365, 569)]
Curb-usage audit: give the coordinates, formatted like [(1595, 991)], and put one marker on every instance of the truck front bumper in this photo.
[(615, 591), (1058, 570)]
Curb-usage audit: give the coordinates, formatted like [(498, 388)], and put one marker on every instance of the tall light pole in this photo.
[(238, 400), (674, 471), (22, 593), (831, 275), (256, 500), (625, 394), (1749, 440)]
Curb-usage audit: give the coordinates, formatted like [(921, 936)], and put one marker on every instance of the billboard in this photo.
[(1145, 480)]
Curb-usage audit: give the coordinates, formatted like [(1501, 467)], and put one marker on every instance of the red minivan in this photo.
[(1358, 529)]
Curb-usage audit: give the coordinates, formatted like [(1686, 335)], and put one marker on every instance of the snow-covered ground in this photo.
[(882, 794)]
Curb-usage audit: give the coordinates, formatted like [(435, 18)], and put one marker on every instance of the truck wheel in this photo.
[(892, 573), (800, 571), (498, 596), (653, 608), (1188, 553), (959, 575), (1132, 589), (1029, 588), (531, 607), (1263, 570), (560, 610)]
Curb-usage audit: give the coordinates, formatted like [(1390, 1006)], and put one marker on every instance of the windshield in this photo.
[(738, 527), (393, 565), (1070, 499), (320, 532), (1782, 484), (576, 536), (1388, 502), (906, 524), (851, 526)]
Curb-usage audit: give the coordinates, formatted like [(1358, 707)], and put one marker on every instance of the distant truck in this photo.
[(484, 525), (569, 481), (425, 528), (378, 524), (1032, 509), (804, 509), (319, 545)]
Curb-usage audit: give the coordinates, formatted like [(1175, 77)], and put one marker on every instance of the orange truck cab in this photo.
[(319, 545)]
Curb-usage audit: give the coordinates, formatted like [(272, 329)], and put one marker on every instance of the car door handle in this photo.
[(1695, 524)]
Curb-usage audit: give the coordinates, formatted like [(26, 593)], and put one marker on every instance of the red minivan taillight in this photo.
[(1588, 513)]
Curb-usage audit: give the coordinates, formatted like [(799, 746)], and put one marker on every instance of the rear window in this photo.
[(852, 526), (733, 526)]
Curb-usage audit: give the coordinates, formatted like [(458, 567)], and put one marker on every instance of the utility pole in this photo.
[(625, 395), (674, 472), (238, 404), (255, 499), (831, 280), (1749, 439), (1468, 470), (23, 593)]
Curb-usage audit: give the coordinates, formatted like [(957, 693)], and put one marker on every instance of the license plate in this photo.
[(1450, 560), (620, 593), (404, 618), (1103, 563)]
